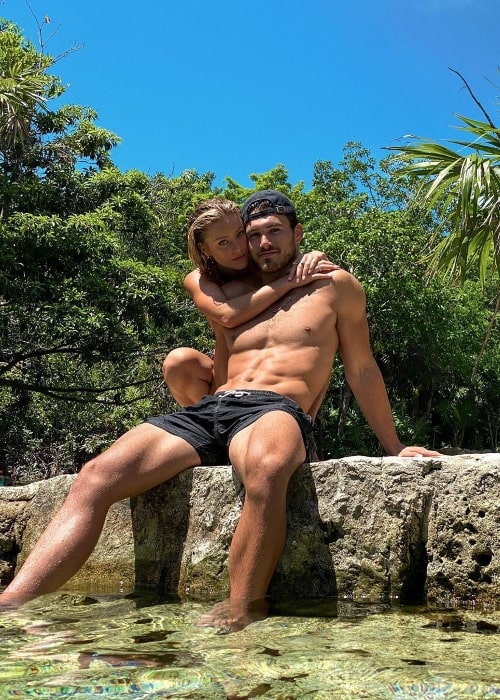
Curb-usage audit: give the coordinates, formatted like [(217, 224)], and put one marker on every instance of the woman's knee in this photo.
[(187, 363), (177, 360)]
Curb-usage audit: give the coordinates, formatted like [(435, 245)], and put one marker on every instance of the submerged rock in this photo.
[(361, 528)]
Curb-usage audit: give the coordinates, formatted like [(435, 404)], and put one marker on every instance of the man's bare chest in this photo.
[(299, 317)]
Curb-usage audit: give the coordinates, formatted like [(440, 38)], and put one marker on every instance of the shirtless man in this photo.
[(279, 365)]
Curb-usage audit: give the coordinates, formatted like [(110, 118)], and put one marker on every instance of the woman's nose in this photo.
[(240, 245)]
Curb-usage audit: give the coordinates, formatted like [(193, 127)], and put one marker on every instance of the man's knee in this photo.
[(267, 474), (91, 483)]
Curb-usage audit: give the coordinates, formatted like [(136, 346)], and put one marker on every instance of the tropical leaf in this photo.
[(463, 187)]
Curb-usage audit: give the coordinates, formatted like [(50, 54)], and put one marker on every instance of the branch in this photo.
[(487, 336), (17, 359), (43, 43), (7, 365), (487, 116), (67, 393)]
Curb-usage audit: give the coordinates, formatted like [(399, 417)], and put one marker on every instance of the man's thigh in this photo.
[(273, 442), (142, 458)]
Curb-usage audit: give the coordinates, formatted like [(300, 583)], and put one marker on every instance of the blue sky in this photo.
[(236, 88)]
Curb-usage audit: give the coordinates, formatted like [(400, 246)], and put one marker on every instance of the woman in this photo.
[(217, 244)]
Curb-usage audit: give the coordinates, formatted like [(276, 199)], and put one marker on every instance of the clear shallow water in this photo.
[(70, 645)]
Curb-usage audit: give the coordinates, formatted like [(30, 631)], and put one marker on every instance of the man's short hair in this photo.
[(266, 202)]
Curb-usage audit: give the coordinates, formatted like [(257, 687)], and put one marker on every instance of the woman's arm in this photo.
[(215, 305)]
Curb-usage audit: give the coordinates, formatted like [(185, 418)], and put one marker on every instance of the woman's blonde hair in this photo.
[(207, 213)]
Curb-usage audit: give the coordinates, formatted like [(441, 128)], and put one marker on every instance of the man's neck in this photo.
[(268, 277)]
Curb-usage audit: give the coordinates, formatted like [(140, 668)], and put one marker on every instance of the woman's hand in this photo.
[(309, 264)]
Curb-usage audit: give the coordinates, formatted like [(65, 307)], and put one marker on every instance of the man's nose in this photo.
[(264, 241)]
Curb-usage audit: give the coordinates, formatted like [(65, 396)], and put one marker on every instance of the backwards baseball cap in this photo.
[(277, 203)]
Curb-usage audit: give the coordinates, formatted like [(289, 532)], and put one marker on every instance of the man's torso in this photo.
[(289, 348)]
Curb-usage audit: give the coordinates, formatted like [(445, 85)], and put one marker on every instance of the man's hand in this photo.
[(415, 451), (310, 263)]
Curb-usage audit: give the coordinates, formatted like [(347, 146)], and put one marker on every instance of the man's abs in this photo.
[(297, 372), (288, 349)]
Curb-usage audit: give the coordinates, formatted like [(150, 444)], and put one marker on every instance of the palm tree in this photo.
[(22, 91), (23, 88), (463, 187)]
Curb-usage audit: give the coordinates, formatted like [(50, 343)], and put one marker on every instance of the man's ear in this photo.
[(298, 233)]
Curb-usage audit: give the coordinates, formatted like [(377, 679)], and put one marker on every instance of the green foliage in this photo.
[(89, 300), (463, 186), (24, 87), (426, 335), (91, 294), (174, 199)]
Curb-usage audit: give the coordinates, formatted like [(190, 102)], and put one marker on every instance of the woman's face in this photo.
[(226, 243)]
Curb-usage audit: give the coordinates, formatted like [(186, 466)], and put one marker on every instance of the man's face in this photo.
[(273, 243)]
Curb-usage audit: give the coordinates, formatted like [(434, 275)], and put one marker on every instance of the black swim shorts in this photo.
[(210, 425)]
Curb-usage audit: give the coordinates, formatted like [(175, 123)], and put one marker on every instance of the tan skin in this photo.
[(291, 351), (190, 374), (288, 349)]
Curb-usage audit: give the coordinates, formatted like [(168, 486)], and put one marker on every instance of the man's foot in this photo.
[(13, 601), (234, 615)]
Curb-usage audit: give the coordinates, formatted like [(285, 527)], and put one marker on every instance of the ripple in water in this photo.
[(67, 645)]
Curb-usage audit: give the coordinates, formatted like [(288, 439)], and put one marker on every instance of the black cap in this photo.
[(278, 204)]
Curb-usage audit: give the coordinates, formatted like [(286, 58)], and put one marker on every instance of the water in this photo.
[(138, 646)]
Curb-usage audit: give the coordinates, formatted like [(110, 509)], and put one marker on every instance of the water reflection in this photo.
[(138, 646)]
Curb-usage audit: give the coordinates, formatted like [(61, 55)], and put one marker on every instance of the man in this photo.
[(279, 364)]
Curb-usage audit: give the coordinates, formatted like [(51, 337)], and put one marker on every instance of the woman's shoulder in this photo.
[(192, 279)]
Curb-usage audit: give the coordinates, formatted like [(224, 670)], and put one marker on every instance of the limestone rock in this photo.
[(358, 528)]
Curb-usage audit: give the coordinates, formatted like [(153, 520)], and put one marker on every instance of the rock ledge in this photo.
[(361, 527)]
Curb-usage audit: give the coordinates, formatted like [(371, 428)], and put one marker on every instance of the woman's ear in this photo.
[(203, 250)]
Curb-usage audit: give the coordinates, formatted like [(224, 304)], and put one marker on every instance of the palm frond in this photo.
[(464, 189)]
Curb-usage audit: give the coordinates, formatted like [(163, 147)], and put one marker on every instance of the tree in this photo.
[(24, 87), (426, 334), (464, 187), (89, 302)]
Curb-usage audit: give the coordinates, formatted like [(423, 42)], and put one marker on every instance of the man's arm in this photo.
[(361, 369)]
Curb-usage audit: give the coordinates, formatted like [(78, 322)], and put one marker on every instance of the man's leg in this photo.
[(142, 458), (265, 455)]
